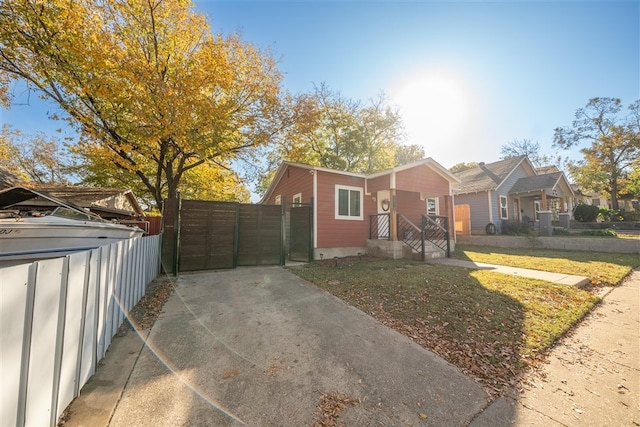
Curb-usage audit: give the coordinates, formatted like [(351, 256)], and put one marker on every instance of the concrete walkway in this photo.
[(260, 347), (559, 278)]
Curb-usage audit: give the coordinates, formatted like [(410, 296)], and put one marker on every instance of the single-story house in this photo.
[(350, 210), (510, 190)]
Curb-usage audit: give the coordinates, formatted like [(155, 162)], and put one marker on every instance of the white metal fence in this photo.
[(57, 320)]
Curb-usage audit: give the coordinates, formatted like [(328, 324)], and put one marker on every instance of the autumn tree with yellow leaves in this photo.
[(32, 158), (336, 132), (151, 90), (610, 164)]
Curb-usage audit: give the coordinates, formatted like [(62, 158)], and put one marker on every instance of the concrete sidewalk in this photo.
[(559, 278), (260, 347), (591, 378)]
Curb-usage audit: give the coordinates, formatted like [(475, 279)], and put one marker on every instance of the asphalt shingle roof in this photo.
[(535, 183), (486, 177)]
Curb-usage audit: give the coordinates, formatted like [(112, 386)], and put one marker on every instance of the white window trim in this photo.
[(506, 207), (336, 203), (297, 196), (278, 200), (437, 203), (537, 205)]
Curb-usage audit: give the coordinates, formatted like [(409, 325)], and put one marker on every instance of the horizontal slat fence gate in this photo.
[(58, 317), (207, 235), (218, 235), (260, 235)]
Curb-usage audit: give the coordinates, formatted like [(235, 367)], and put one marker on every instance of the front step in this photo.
[(428, 255)]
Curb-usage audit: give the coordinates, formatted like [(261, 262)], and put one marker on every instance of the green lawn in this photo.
[(603, 268), (490, 325)]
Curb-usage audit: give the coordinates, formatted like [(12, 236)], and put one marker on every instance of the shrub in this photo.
[(607, 215), (561, 231), (514, 228), (586, 213)]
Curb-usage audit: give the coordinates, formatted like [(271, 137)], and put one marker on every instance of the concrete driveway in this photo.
[(260, 347)]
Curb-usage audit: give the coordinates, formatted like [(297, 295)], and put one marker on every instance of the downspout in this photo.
[(452, 209), (315, 210), (393, 219), (495, 178)]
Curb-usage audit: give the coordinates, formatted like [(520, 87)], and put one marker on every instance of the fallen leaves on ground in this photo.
[(492, 326), (329, 408), (145, 313)]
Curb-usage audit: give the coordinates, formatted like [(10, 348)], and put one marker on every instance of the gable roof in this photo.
[(441, 170), (428, 161), (486, 177), (546, 182), (535, 183), (547, 169), (283, 167)]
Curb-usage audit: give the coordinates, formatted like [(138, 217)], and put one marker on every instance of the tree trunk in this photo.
[(614, 196), (614, 187)]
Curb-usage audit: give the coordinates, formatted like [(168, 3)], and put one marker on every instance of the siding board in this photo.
[(379, 183), (334, 232), (478, 207), (294, 180), (422, 179)]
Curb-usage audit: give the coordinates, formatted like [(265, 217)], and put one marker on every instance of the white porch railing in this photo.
[(57, 319)]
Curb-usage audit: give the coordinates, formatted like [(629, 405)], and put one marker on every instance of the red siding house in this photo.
[(355, 213)]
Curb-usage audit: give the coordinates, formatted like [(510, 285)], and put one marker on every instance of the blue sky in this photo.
[(468, 76)]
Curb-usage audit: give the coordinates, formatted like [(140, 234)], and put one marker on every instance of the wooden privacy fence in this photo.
[(463, 220), (58, 317), (205, 235)]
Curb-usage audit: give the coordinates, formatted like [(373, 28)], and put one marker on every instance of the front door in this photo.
[(384, 206)]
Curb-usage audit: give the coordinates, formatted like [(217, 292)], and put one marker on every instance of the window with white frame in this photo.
[(348, 202), (297, 199), (278, 200), (432, 206), (504, 211), (537, 205)]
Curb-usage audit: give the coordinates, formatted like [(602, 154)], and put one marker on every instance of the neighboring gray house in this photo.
[(510, 190)]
